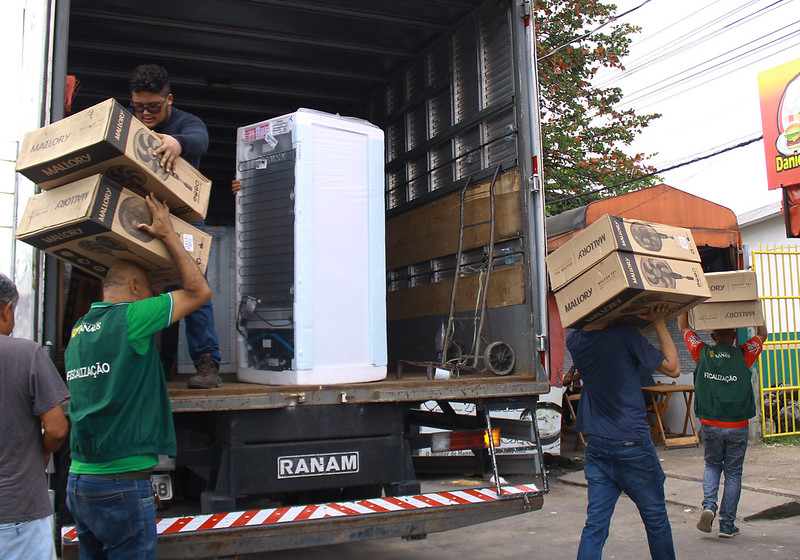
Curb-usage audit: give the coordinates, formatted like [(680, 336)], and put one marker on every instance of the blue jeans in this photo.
[(115, 519), (28, 540), (724, 452), (201, 334), (615, 466)]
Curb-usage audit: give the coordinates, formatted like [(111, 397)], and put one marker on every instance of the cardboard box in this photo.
[(92, 223), (107, 139), (624, 284), (739, 285), (726, 315), (611, 233)]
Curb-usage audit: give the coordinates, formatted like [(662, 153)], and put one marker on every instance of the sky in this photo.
[(697, 63)]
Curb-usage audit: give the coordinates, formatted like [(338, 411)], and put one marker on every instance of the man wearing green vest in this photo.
[(120, 410), (724, 403)]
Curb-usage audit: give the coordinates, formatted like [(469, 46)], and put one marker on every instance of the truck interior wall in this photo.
[(444, 129), (449, 114), (409, 235), (415, 338)]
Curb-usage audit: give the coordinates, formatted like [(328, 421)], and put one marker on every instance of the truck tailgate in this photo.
[(411, 388), (244, 532)]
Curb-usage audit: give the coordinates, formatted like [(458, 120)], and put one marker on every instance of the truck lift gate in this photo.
[(282, 528)]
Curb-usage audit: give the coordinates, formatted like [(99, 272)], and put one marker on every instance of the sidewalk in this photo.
[(770, 480)]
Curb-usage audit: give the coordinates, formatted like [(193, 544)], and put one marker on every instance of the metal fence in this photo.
[(778, 272)]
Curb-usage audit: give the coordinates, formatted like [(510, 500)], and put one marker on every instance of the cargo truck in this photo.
[(452, 85)]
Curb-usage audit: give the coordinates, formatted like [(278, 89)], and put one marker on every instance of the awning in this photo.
[(712, 225)]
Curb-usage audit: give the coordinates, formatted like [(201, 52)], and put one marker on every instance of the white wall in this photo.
[(764, 229), (24, 27)]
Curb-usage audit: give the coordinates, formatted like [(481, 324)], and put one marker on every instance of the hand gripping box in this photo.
[(107, 139), (611, 233), (92, 223), (733, 304), (624, 284)]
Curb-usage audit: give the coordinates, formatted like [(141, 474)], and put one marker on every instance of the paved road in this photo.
[(553, 534)]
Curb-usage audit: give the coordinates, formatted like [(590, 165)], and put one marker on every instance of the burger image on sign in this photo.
[(791, 136), (788, 142)]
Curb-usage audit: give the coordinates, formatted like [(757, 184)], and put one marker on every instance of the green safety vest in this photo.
[(723, 388), (119, 405)]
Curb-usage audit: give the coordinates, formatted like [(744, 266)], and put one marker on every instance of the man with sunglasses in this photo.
[(182, 134)]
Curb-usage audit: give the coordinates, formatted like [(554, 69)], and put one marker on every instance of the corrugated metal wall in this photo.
[(442, 126)]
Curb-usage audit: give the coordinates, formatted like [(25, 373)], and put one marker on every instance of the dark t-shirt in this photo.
[(609, 360), (29, 386), (190, 131)]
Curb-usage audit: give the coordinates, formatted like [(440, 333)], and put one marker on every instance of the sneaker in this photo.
[(207, 376), (706, 519), (728, 531)]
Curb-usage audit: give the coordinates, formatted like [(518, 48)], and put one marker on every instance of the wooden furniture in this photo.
[(574, 398), (573, 394), (662, 393)]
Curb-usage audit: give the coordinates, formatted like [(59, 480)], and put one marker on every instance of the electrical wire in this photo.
[(593, 31), (679, 45), (659, 87), (713, 68), (657, 172)]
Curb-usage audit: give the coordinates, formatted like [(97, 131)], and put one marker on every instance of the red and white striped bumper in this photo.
[(262, 517)]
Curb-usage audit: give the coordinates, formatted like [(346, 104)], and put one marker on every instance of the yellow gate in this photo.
[(778, 271)]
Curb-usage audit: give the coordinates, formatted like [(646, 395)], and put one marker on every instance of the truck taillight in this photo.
[(472, 439)]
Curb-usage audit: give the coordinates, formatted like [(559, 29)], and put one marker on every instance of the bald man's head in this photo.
[(125, 281)]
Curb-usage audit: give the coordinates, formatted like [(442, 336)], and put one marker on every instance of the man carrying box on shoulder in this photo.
[(724, 403), (620, 455), (120, 409), (185, 135)]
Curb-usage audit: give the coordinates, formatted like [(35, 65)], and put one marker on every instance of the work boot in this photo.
[(207, 376)]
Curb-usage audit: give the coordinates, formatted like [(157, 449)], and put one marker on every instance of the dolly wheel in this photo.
[(499, 358)]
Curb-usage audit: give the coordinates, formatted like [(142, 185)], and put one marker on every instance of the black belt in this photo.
[(132, 475)]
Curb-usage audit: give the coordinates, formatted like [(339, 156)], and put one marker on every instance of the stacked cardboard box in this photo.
[(617, 268), (733, 304), (90, 219), (107, 139), (93, 223)]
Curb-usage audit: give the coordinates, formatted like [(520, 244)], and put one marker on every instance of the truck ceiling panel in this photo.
[(234, 62)]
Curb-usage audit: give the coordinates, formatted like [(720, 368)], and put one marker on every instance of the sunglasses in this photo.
[(153, 108)]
